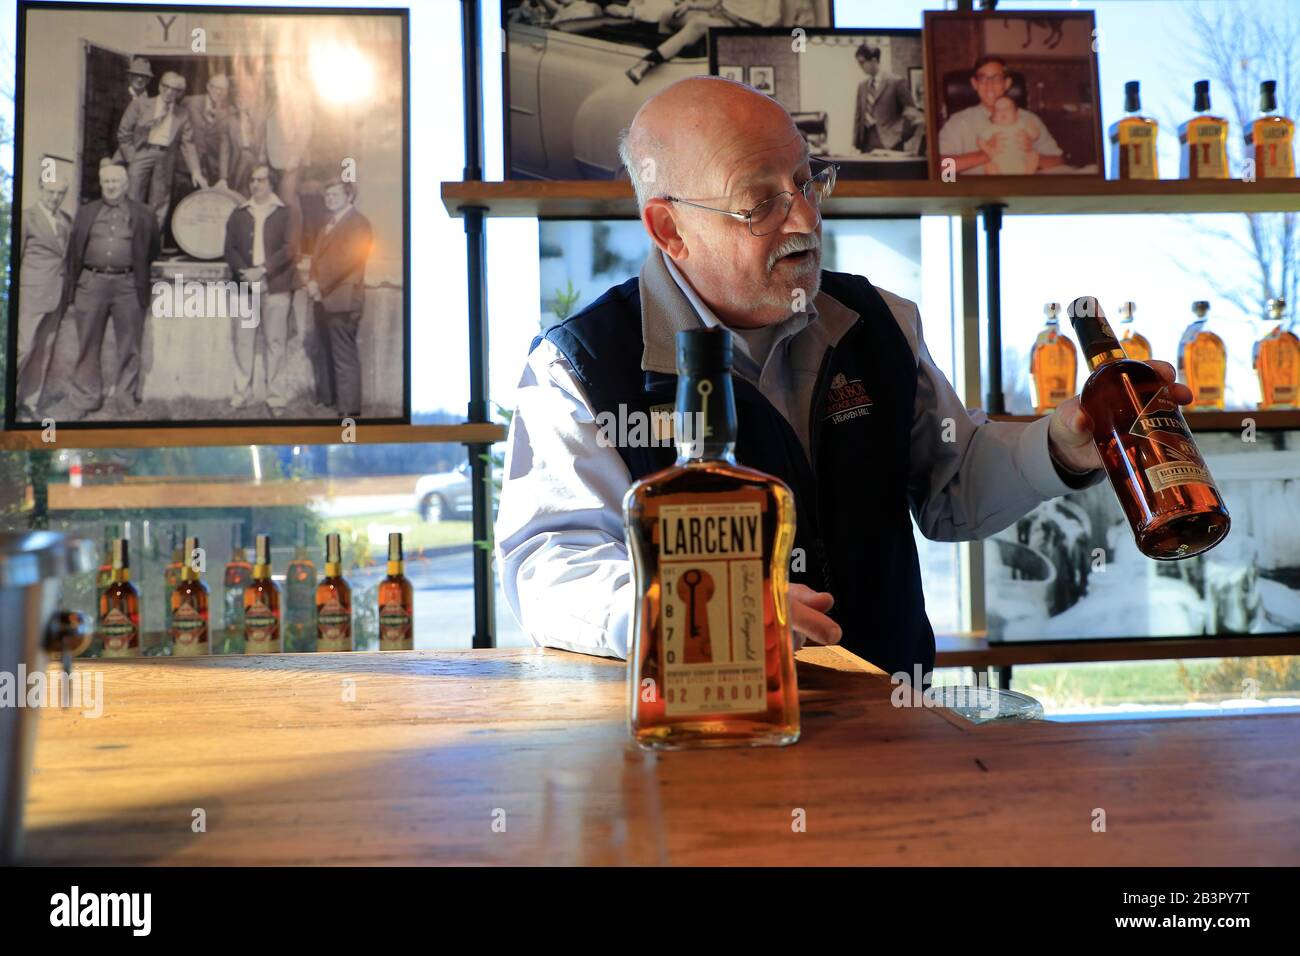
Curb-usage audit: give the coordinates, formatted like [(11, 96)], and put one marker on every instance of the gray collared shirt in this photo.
[(559, 531)]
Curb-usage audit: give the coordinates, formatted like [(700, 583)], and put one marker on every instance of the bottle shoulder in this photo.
[(702, 477)]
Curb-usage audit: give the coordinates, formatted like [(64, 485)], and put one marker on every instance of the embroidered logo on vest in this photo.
[(846, 399)]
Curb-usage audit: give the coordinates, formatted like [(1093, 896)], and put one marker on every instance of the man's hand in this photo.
[(1069, 433), (808, 617)]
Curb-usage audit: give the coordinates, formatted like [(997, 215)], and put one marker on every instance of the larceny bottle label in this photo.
[(394, 628), (261, 627), (711, 611), (333, 628), (1161, 423), (118, 632), (189, 631)]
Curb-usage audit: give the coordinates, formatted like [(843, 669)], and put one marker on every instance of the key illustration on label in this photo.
[(705, 388), (695, 587)]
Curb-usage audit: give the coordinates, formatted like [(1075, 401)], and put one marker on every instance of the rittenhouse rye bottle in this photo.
[(333, 602), (711, 661), (396, 602), (1204, 139), (1203, 360), (1269, 139), (262, 604), (189, 607), (1133, 140), (1157, 473), (1135, 343), (119, 607), (236, 577)]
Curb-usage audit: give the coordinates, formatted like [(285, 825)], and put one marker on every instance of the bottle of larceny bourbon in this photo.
[(333, 602), (1154, 466), (262, 604), (711, 661), (119, 607), (189, 607), (396, 602)]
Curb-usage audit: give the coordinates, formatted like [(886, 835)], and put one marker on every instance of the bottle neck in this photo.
[(1097, 341), (705, 420), (188, 573), (120, 575), (262, 572), (333, 569), (395, 568)]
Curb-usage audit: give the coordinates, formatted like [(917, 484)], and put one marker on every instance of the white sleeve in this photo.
[(559, 529), (1045, 144)]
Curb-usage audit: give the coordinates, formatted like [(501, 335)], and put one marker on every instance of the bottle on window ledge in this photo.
[(1203, 360), (172, 573), (1277, 361), (300, 598), (1133, 140), (333, 602), (1204, 139), (1269, 140), (262, 604), (104, 575), (396, 602), (1168, 496), (119, 607), (189, 607), (711, 661), (1135, 344), (238, 573), (1052, 363)]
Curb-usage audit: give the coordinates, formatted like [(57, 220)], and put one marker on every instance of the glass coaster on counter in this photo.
[(981, 705)]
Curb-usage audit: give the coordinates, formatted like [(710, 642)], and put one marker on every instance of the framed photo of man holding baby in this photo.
[(576, 71), (211, 216), (1012, 94)]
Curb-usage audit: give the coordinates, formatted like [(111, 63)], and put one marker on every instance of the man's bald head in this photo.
[(694, 136)]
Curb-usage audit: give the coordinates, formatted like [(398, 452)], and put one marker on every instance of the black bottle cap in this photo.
[(394, 546), (332, 551), (1202, 96), (1267, 96), (262, 550), (703, 351), (1090, 325), (121, 553), (1132, 99)]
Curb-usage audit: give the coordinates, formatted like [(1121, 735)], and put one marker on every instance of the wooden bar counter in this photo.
[(522, 756)]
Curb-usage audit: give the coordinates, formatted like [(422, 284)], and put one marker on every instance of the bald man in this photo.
[(836, 395)]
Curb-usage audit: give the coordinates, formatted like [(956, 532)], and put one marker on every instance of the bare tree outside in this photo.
[(1238, 45)]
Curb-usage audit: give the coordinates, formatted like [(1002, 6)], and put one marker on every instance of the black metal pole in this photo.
[(992, 213), (476, 272)]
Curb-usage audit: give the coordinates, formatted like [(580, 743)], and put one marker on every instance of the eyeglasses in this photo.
[(769, 215), (989, 77), (173, 88)]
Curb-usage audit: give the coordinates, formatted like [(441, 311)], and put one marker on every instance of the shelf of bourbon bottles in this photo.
[(1269, 419), (1021, 195)]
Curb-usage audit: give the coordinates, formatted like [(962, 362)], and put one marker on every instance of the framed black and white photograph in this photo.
[(736, 73), (916, 80), (849, 91), (576, 71), (761, 79), (1013, 94), (211, 216)]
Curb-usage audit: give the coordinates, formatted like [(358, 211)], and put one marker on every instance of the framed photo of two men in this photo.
[(213, 220), (1013, 94)]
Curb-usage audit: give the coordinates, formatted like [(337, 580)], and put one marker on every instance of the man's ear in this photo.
[(660, 220)]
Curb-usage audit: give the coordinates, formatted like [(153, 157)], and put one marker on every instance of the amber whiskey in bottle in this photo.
[(396, 602), (238, 573), (333, 602), (189, 606), (1270, 139), (1133, 140), (1203, 361), (172, 573), (1166, 491), (711, 662), (1277, 362), (1135, 344), (119, 607), (300, 598), (262, 604), (1052, 363), (1203, 139)]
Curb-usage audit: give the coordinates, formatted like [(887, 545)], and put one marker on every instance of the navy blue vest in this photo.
[(853, 524)]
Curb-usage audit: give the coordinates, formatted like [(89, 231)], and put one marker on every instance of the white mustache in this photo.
[(800, 242)]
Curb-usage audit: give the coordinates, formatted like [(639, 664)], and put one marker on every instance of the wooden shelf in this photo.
[(1039, 195), (79, 438), (953, 651), (1233, 420)]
